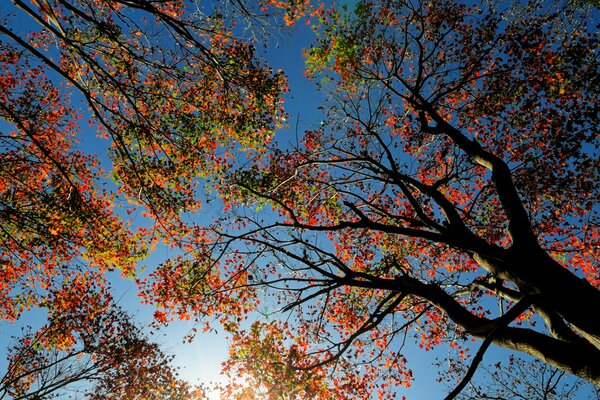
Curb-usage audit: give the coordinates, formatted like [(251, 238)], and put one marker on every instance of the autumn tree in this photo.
[(450, 194), (176, 95), (94, 351)]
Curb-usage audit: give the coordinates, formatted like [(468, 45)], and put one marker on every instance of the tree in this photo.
[(93, 351), (176, 94), (456, 170), (449, 194)]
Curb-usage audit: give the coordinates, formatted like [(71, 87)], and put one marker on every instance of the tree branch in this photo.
[(501, 323)]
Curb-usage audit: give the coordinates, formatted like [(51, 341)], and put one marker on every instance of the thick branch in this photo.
[(555, 324), (578, 359), (518, 220)]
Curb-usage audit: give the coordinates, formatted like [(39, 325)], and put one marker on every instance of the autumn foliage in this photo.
[(175, 102), (450, 194)]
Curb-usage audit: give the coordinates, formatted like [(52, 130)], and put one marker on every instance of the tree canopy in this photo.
[(449, 196)]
